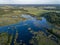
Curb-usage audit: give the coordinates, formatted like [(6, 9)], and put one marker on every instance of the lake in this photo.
[(23, 28)]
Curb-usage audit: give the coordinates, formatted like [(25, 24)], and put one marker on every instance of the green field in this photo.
[(11, 15)]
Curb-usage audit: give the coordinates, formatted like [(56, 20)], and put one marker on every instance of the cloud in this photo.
[(29, 1)]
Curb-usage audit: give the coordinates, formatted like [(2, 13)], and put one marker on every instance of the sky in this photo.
[(29, 1)]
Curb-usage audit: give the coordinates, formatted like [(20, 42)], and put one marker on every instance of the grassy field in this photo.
[(40, 38), (11, 15), (5, 38)]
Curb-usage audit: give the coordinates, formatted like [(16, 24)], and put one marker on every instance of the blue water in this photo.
[(22, 28)]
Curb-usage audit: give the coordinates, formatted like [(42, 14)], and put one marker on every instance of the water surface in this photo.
[(23, 26)]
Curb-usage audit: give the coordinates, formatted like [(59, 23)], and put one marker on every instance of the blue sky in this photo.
[(29, 1)]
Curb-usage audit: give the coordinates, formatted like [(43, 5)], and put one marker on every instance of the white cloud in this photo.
[(29, 1)]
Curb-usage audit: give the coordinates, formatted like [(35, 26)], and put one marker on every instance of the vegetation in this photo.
[(53, 17), (40, 38), (55, 32), (5, 39), (11, 15)]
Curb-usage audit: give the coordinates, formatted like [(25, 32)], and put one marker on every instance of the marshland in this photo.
[(29, 25)]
